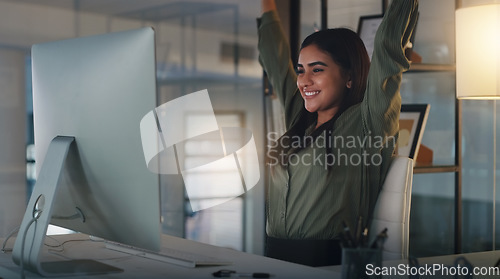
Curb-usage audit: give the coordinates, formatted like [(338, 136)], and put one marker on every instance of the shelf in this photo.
[(423, 67), (175, 77), (435, 168)]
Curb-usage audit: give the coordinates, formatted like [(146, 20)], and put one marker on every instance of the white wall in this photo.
[(12, 139)]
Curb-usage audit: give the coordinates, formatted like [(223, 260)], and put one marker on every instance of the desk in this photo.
[(138, 267), (479, 259)]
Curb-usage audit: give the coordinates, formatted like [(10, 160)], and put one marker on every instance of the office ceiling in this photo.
[(245, 11), (206, 14), (120, 7)]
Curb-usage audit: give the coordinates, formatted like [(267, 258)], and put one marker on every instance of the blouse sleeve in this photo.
[(382, 102), (274, 56)]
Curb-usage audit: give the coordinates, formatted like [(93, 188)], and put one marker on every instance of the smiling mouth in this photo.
[(311, 93)]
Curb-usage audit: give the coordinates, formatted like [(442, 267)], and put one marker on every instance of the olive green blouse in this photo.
[(312, 195)]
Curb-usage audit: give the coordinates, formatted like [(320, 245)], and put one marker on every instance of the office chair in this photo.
[(392, 209)]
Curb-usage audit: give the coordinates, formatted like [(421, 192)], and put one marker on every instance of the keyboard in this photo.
[(168, 255)]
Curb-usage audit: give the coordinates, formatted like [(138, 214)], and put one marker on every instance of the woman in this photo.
[(342, 117)]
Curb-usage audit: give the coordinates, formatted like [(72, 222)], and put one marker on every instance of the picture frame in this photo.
[(412, 121), (367, 28)]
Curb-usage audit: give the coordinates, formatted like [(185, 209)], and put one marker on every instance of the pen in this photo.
[(378, 243), (357, 240), (233, 274), (347, 235), (343, 241), (364, 239)]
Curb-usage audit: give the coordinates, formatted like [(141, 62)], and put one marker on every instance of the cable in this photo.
[(7, 239), (61, 245), (78, 215)]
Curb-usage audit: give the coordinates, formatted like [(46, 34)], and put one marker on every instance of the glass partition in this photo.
[(212, 45)]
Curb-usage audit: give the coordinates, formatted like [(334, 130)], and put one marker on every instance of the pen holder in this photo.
[(356, 261)]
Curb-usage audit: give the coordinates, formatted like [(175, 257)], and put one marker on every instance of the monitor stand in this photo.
[(27, 252)]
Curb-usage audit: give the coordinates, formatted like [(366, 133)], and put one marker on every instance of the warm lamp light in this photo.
[(478, 52)]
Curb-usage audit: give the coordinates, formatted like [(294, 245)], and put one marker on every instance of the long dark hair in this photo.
[(347, 49)]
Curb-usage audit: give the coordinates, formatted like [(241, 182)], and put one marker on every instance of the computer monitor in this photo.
[(89, 96)]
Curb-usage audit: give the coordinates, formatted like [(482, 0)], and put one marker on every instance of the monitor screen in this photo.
[(96, 90)]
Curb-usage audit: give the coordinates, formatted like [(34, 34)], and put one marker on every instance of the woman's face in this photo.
[(321, 81)]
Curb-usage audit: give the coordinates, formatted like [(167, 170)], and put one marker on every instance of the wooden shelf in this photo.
[(423, 67), (435, 168)]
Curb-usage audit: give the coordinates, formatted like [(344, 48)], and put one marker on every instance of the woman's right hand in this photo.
[(268, 5)]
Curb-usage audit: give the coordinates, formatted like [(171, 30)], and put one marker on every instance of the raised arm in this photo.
[(382, 103), (274, 56)]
